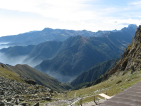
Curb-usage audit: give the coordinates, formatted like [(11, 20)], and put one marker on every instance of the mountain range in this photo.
[(86, 59), (65, 60), (48, 34), (78, 54), (129, 63)]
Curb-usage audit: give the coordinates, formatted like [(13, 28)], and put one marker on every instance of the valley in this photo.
[(65, 60), (91, 64), (94, 73)]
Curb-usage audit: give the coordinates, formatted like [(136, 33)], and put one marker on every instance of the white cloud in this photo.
[(124, 21), (57, 9), (12, 26), (136, 3), (63, 14)]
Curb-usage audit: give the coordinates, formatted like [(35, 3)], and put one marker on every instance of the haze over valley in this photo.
[(68, 57)]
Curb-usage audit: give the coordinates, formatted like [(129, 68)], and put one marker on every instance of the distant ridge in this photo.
[(48, 34)]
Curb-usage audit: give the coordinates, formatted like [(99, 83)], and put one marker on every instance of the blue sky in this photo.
[(19, 16)]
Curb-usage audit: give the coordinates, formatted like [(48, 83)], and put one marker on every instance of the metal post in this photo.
[(95, 100), (80, 102)]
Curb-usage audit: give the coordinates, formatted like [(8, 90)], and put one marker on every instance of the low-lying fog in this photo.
[(60, 77), (4, 45), (28, 60), (16, 60)]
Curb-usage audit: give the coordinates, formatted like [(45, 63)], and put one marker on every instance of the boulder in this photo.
[(30, 81)]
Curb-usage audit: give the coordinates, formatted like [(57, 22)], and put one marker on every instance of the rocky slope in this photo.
[(132, 56), (15, 91)]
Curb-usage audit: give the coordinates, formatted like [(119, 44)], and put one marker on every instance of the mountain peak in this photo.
[(132, 26)]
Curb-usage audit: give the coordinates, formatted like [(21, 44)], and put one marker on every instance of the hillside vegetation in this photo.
[(117, 83), (10, 75)]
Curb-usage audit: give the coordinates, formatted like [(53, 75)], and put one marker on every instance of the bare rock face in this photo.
[(132, 56)]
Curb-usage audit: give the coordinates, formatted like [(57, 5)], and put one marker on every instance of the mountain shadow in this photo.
[(94, 73)]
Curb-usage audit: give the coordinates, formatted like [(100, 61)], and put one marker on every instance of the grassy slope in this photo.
[(9, 74), (114, 85), (26, 71)]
